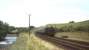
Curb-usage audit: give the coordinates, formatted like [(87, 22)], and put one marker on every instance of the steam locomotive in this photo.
[(50, 31)]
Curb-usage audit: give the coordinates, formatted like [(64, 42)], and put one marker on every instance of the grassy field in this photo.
[(81, 36)]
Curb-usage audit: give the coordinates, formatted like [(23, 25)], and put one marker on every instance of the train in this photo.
[(50, 31)]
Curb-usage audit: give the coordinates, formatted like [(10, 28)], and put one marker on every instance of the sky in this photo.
[(16, 12)]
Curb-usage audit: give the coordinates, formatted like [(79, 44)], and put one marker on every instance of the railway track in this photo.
[(64, 43)]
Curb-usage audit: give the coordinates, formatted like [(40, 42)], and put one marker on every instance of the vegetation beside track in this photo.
[(35, 43), (24, 42)]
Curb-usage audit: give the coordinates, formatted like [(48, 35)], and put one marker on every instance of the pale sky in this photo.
[(15, 12)]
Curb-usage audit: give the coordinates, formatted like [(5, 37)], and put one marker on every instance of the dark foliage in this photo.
[(4, 29), (71, 22), (32, 27)]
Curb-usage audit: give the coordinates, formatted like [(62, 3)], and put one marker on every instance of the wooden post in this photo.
[(29, 24)]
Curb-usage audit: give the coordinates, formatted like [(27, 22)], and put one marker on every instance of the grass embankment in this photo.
[(21, 43), (24, 42), (35, 43)]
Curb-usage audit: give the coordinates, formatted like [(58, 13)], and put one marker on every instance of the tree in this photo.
[(31, 27), (11, 28), (71, 22), (3, 29)]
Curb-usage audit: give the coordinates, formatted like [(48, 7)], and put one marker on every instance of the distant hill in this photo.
[(77, 26)]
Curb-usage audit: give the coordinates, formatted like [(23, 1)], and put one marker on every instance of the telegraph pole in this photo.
[(29, 23)]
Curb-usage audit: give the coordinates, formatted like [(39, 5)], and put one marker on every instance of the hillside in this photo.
[(77, 26), (83, 23)]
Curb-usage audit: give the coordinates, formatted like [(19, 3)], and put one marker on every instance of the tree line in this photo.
[(5, 29)]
